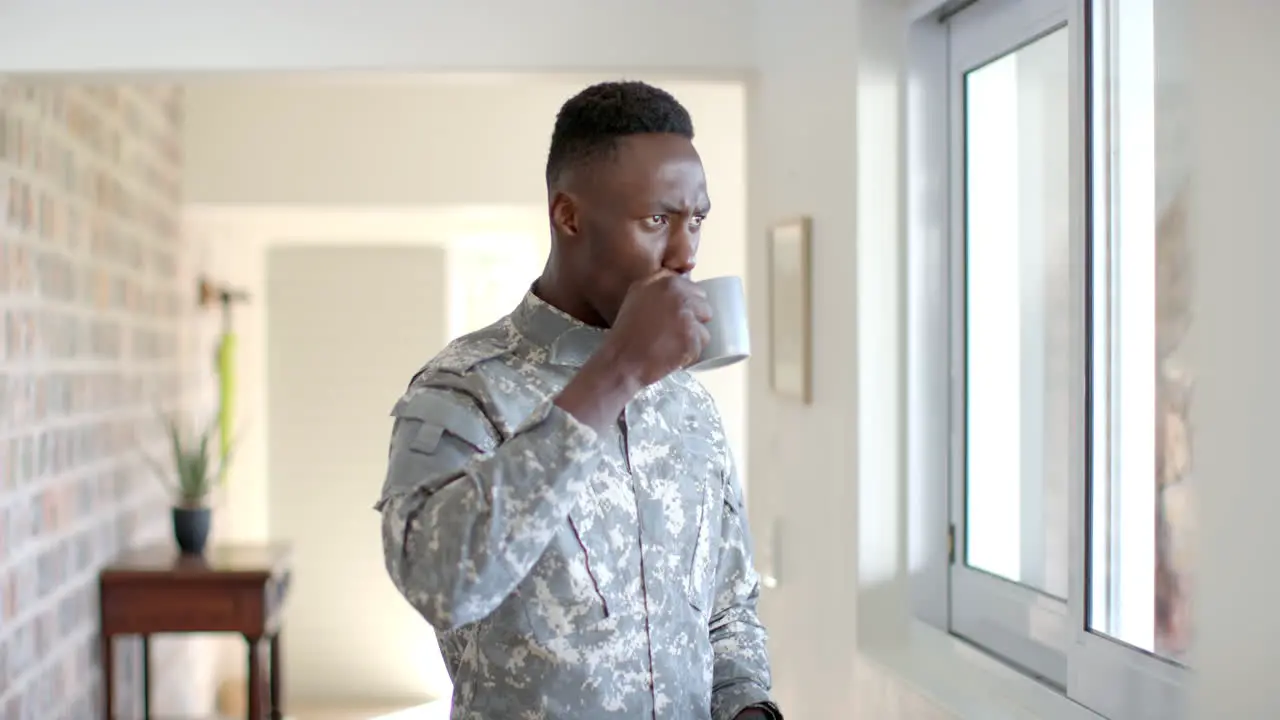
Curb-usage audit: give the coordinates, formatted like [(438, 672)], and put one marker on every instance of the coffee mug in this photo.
[(730, 340)]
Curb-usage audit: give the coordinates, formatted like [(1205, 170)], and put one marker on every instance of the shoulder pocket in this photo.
[(441, 412)]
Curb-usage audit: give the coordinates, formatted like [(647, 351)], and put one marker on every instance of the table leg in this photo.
[(108, 675), (255, 678), (277, 678), (146, 677)]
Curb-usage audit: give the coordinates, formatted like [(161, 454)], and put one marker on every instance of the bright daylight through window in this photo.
[(1017, 319)]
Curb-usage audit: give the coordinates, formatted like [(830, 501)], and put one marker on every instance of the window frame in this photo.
[(1016, 622), (1098, 673)]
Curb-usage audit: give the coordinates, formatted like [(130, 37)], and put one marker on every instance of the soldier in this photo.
[(560, 502)]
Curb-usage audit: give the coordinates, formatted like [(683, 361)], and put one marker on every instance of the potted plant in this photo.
[(197, 471)]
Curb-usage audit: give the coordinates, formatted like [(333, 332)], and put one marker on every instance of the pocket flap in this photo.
[(428, 438), (442, 411)]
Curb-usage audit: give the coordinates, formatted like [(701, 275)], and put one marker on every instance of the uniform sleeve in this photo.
[(465, 515), (741, 676)]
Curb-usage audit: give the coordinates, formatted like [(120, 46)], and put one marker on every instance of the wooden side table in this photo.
[(234, 588)]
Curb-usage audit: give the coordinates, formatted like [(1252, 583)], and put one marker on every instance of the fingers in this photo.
[(696, 339), (703, 338), (695, 298), (700, 308), (660, 275)]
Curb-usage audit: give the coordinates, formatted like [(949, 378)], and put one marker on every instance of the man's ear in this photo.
[(564, 214)]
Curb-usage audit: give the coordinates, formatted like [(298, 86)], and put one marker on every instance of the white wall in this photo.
[(824, 131), (1236, 349)]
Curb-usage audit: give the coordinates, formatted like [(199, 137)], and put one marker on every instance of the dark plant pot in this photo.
[(191, 529)]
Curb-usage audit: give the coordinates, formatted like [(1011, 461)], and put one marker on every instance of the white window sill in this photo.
[(966, 682)]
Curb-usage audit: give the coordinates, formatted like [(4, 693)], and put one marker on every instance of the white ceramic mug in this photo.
[(730, 339)]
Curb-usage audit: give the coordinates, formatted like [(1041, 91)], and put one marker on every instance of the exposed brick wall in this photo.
[(95, 303)]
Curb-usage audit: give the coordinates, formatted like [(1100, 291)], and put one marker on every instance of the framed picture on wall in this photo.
[(790, 323)]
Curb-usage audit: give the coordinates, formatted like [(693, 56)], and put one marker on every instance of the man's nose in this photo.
[(682, 252)]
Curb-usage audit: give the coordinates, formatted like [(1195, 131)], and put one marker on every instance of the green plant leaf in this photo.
[(196, 464)]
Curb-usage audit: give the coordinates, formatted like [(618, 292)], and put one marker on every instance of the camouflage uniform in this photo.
[(570, 573)]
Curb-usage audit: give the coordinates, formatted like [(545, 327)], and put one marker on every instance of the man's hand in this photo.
[(660, 328)]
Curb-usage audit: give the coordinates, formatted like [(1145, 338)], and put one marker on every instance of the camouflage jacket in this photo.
[(568, 573)]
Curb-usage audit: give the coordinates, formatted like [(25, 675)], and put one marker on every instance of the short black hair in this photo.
[(590, 123)]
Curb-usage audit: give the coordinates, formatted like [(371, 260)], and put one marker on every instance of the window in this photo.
[(1010, 335), (1055, 304)]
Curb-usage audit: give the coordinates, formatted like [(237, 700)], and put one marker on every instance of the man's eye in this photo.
[(656, 220), (696, 220)]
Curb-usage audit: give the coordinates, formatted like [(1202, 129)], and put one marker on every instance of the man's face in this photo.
[(629, 216)]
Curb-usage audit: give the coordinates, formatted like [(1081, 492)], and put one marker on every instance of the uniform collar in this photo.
[(568, 341)]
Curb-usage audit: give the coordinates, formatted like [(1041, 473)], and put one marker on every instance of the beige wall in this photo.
[(388, 141), (97, 328)]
